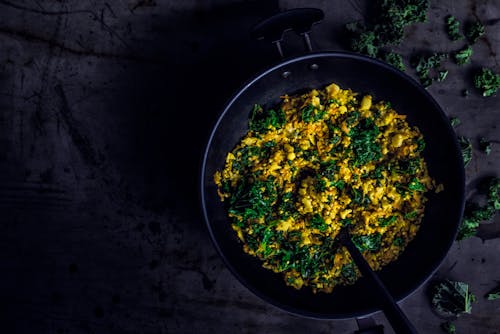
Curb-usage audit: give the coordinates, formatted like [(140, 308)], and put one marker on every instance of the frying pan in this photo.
[(365, 75)]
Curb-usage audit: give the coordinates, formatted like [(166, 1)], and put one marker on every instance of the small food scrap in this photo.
[(473, 31), (395, 59), (463, 56), (425, 64), (485, 145), (453, 28), (475, 214), (451, 298), (493, 294), (455, 121), (365, 41), (442, 75), (487, 81), (466, 147), (448, 327)]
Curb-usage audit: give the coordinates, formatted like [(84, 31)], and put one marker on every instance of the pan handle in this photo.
[(299, 20), (398, 320)]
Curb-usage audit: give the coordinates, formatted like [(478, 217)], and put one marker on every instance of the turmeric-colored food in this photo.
[(318, 162)]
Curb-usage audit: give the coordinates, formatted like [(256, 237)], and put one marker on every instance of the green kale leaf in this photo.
[(451, 298), (348, 272), (463, 56), (398, 241), (387, 221), (487, 81), (369, 242), (395, 59), (442, 75), (387, 25), (425, 64), (365, 43), (453, 28), (455, 121), (416, 185), (466, 147), (318, 222), (448, 327), (475, 214), (485, 145), (474, 30), (262, 120), (395, 15), (253, 200), (311, 114), (364, 142), (493, 294)]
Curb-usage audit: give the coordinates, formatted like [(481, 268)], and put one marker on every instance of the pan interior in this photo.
[(442, 213)]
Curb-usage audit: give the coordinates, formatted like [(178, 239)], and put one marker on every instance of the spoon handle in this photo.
[(398, 320)]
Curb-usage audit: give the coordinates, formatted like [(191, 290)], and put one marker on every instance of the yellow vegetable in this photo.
[(366, 102)]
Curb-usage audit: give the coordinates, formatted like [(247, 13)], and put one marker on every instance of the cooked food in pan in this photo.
[(318, 162)]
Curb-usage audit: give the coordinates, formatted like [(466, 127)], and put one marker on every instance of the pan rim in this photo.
[(226, 107)]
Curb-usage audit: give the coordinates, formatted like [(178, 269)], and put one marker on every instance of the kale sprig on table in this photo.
[(386, 28), (487, 81), (451, 298), (475, 214)]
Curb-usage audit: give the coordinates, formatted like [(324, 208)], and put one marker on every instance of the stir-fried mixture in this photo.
[(314, 164)]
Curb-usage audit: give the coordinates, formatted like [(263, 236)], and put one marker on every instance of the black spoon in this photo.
[(398, 320)]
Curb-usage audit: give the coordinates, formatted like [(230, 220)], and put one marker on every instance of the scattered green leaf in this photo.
[(487, 81), (395, 59), (466, 147), (475, 214), (424, 64), (493, 294), (365, 43), (455, 121), (474, 30), (485, 145), (448, 327), (442, 75), (453, 28), (451, 298), (387, 25), (463, 56)]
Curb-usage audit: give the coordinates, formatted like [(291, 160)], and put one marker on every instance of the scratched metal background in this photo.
[(104, 109)]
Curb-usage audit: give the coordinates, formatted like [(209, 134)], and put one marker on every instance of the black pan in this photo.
[(443, 211)]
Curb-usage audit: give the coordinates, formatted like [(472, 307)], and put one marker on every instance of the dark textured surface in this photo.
[(105, 108)]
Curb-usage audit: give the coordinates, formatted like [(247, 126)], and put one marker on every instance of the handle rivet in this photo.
[(314, 66), (286, 74)]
